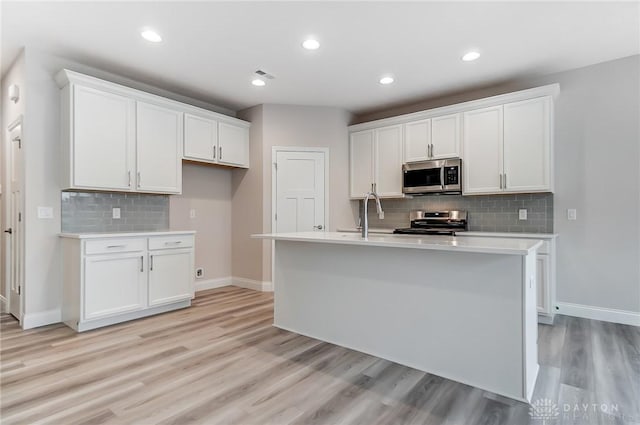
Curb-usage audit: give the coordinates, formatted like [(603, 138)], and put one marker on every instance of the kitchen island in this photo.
[(460, 308)]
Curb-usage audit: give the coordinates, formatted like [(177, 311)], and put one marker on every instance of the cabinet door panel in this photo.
[(388, 161), (361, 163), (542, 282), (417, 138), (159, 143), (527, 143), (233, 145), (445, 136), (482, 146), (113, 284), (169, 276), (200, 137), (103, 139)]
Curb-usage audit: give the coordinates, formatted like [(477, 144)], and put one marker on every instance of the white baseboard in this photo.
[(598, 313), (41, 318), (256, 285), (201, 285), (3, 304)]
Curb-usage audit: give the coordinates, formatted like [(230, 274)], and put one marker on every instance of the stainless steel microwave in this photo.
[(432, 177)]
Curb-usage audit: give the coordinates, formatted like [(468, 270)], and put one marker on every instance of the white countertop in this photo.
[(468, 233), (124, 234), (487, 245)]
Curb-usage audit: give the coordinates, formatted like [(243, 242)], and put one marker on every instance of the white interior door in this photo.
[(15, 232), (300, 191)]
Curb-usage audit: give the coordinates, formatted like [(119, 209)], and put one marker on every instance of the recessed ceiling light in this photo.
[(386, 80), (311, 44), (151, 35), (258, 82), (471, 56)]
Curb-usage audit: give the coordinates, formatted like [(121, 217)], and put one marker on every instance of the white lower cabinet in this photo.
[(543, 271), (109, 280), (169, 276), (114, 284)]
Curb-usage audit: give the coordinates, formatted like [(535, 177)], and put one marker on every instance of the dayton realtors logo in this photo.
[(545, 410), (548, 412)]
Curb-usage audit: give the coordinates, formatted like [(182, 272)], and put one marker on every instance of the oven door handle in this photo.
[(442, 178)]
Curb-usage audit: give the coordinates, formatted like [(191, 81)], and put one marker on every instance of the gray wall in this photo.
[(494, 213), (92, 212), (597, 139)]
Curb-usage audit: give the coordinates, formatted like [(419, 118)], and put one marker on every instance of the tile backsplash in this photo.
[(92, 212), (489, 213)]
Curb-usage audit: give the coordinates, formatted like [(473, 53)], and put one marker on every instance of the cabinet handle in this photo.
[(138, 179), (142, 263), (220, 152), (372, 189), (173, 243), (505, 181), (129, 175), (151, 263), (431, 153), (214, 152), (116, 246)]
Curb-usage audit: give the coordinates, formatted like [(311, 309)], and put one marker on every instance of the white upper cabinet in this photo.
[(200, 138), (361, 163), (376, 162), (445, 136), (527, 146), (508, 148), (102, 148), (115, 138), (482, 146), (434, 138), (207, 139), (388, 161), (417, 141), (233, 145), (505, 142), (159, 149)]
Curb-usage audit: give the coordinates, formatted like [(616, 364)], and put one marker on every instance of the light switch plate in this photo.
[(115, 213), (522, 214), (45, 212), (571, 214)]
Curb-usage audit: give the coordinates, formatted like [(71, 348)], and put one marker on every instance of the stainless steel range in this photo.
[(435, 223)]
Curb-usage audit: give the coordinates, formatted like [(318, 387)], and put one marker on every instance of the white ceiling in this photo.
[(211, 49)]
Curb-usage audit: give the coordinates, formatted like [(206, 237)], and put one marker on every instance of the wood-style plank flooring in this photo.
[(221, 362)]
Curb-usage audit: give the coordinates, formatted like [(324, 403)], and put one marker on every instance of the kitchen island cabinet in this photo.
[(460, 308)]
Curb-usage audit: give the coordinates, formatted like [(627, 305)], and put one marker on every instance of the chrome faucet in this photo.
[(365, 211)]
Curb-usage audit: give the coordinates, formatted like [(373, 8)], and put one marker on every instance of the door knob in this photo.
[(9, 231), (319, 227)]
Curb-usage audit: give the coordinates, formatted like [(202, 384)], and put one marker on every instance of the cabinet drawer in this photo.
[(545, 248), (168, 242), (107, 246)]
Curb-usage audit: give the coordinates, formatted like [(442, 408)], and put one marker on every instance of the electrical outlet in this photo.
[(192, 213), (199, 273), (571, 214), (45, 212), (522, 214), (115, 213)]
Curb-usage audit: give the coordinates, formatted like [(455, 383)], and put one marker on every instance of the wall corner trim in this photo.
[(41, 318), (624, 317)]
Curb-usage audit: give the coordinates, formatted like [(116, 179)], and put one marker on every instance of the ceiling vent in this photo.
[(264, 74)]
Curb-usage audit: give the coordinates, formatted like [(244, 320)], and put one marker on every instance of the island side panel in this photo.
[(530, 320), (458, 315)]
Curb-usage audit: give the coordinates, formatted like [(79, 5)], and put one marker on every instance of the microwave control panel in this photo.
[(451, 175)]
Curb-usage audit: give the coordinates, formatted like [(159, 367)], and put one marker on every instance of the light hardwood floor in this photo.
[(221, 362)]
